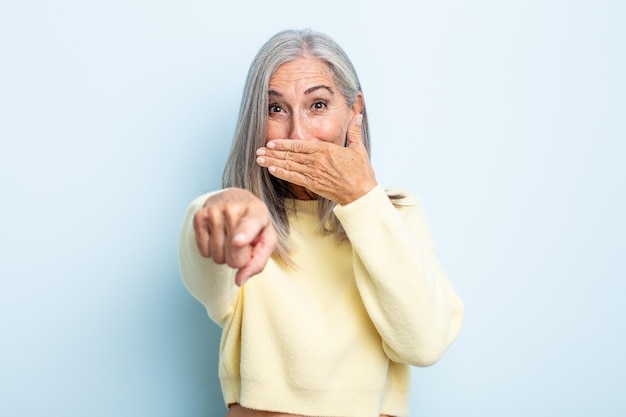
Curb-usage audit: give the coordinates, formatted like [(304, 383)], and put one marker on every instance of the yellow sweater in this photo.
[(335, 335)]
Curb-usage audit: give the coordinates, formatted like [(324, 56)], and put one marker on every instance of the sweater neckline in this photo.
[(303, 206)]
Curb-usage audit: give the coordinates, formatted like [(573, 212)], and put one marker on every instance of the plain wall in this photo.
[(506, 118)]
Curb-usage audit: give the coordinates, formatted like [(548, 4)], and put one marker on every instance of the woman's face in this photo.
[(304, 103)]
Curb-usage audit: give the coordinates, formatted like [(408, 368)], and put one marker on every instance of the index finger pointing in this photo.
[(238, 250)]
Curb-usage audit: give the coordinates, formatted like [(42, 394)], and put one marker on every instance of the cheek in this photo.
[(331, 130), (275, 130)]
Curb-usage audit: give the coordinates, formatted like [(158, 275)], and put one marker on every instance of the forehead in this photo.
[(301, 73)]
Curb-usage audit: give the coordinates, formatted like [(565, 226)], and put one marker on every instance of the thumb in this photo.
[(354, 131), (262, 250), (247, 230)]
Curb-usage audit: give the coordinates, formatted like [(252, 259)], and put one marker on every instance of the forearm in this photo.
[(211, 284), (403, 287)]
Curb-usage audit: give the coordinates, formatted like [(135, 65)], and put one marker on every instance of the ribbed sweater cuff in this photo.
[(354, 213)]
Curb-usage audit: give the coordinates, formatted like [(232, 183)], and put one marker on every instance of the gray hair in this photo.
[(241, 169)]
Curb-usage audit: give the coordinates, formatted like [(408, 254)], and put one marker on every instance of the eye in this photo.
[(275, 108), (319, 105)]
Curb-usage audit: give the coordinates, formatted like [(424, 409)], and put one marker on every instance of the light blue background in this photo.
[(506, 118)]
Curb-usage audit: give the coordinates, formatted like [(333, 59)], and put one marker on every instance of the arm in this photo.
[(403, 286), (226, 238), (210, 283)]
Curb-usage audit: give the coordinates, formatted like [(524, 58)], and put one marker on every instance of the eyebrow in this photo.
[(307, 91), (318, 87)]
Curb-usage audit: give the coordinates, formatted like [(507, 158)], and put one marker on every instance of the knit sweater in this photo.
[(334, 335)]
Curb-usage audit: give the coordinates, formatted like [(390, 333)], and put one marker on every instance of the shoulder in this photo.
[(199, 201)]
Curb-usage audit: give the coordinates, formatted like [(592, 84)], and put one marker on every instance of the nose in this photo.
[(298, 127)]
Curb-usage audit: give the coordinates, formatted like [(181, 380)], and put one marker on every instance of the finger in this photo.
[(253, 267), (354, 136), (238, 257), (240, 242), (239, 245), (261, 253), (288, 165), (217, 233), (202, 235), (292, 145), (248, 229), (267, 158), (290, 175)]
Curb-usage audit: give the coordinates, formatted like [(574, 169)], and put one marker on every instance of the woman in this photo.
[(342, 287)]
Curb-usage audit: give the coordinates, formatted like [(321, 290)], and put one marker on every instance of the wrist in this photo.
[(352, 197)]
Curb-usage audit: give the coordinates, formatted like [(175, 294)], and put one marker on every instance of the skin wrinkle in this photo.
[(311, 142), (317, 87), (308, 91), (304, 107), (295, 84)]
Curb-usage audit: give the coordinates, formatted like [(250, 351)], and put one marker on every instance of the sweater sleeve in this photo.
[(404, 288), (211, 284)]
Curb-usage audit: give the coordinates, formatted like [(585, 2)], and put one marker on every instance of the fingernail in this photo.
[(260, 152), (260, 160), (359, 119), (271, 145)]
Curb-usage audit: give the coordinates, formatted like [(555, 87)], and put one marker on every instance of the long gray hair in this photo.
[(241, 169)]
